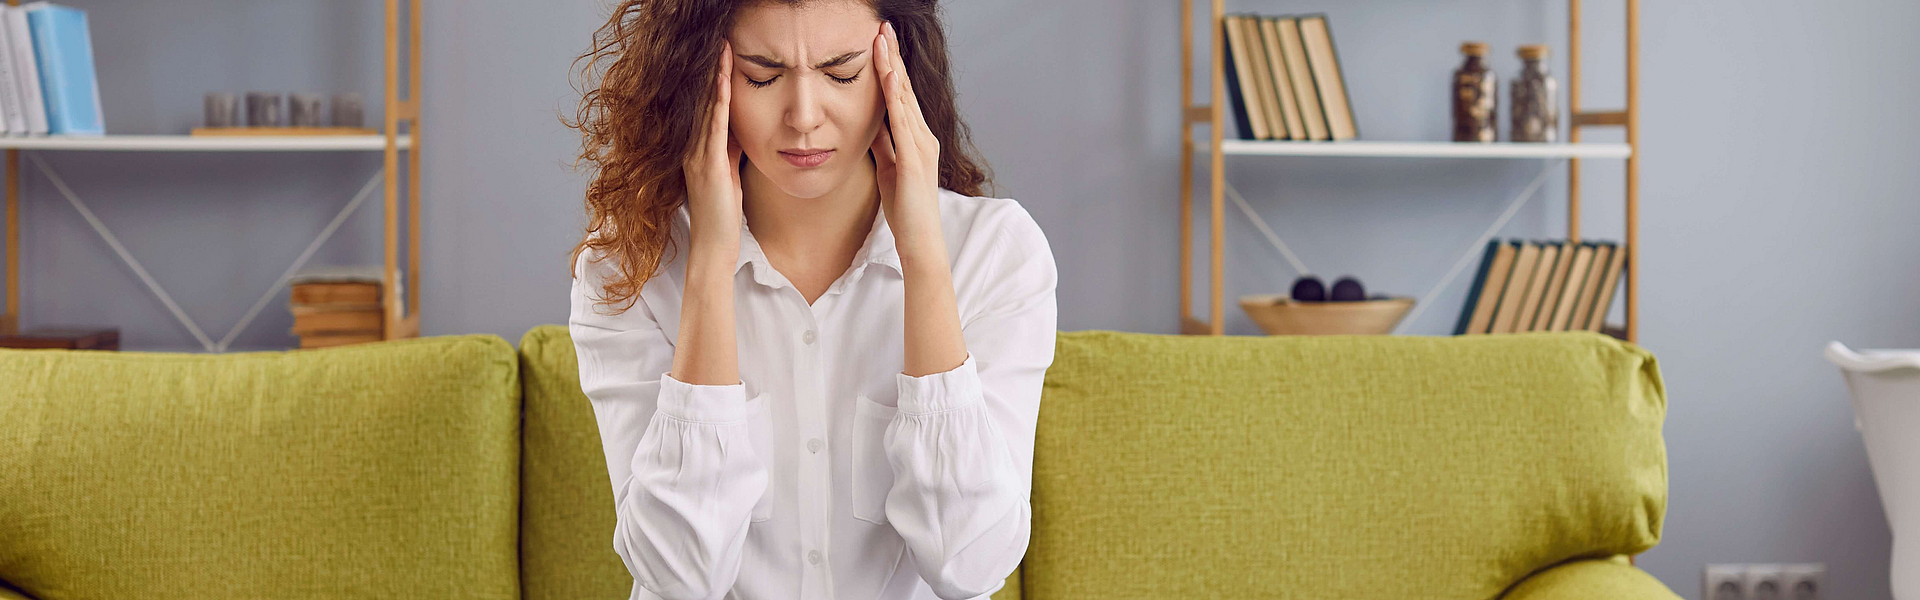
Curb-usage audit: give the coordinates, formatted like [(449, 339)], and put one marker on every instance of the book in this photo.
[(1537, 286), (1608, 282), (1498, 272), (368, 274), (1480, 275), (1294, 128), (329, 292), (1571, 286), (1590, 285), (25, 67), (328, 340), (1308, 97), (12, 102), (1263, 85), (1326, 77), (63, 50), (1253, 123), (358, 318), (1524, 261), (1556, 284)]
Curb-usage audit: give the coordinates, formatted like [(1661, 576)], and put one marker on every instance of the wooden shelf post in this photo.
[(402, 321)]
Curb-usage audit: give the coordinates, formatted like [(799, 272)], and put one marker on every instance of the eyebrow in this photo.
[(775, 64)]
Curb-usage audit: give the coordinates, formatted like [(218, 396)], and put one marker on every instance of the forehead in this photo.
[(814, 30)]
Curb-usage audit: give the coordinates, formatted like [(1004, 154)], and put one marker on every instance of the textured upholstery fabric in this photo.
[(386, 470), (568, 519), (1609, 579), (566, 509), (1339, 467), (1165, 467)]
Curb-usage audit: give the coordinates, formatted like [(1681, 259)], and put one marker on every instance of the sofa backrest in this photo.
[(566, 510), (1339, 467), (386, 470)]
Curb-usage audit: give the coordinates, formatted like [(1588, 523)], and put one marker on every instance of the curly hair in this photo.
[(651, 83)]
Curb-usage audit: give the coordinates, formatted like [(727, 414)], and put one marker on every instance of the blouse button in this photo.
[(813, 556), (813, 445), (808, 337)]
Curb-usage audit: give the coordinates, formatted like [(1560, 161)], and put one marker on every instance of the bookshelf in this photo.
[(402, 311), (1213, 114)]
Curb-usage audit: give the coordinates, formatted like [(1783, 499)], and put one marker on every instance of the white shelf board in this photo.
[(194, 143), (1425, 149)]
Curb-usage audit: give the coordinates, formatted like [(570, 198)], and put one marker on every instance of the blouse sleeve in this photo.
[(684, 474), (961, 444)]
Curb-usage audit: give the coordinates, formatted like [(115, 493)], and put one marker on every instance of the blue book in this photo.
[(63, 50)]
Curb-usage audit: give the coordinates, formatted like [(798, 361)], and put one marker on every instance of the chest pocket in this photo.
[(760, 430), (872, 475)]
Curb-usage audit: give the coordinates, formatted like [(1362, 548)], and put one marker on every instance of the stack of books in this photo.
[(1283, 79), (1543, 286), (47, 78), (335, 306)]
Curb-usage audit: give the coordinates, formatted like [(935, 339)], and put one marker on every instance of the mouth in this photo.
[(806, 157)]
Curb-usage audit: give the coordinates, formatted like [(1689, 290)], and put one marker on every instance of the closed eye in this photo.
[(840, 80)]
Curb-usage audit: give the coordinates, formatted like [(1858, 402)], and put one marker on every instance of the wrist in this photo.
[(712, 264)]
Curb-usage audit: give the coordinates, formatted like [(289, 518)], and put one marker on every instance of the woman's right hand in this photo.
[(713, 172), (705, 353)]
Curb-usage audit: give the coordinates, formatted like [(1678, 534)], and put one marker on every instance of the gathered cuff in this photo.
[(704, 403), (938, 392)]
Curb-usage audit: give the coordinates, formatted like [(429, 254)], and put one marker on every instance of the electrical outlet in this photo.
[(1765, 582), (1803, 581), (1723, 582)]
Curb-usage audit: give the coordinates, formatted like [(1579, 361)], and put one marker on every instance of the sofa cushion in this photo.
[(1339, 466), (566, 508), (567, 517), (381, 470)]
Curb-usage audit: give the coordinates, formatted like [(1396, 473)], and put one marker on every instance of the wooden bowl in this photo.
[(1278, 315)]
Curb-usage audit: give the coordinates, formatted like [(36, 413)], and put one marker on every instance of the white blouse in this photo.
[(827, 472)]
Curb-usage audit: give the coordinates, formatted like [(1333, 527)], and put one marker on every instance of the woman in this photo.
[(815, 353)]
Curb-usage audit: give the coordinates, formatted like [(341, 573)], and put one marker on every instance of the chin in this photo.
[(807, 183)]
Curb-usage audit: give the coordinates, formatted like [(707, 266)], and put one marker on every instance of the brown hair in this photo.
[(655, 85)]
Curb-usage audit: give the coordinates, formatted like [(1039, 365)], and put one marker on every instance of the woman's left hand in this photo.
[(906, 156)]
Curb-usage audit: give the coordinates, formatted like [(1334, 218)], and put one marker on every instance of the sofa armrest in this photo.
[(1594, 579)]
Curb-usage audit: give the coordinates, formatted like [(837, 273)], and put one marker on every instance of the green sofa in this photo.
[(1522, 466)]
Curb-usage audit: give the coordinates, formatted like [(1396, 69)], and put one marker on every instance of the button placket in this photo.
[(815, 491)]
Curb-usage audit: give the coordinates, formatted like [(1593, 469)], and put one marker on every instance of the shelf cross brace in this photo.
[(161, 293), (1479, 244)]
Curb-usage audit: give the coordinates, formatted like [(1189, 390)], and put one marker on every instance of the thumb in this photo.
[(734, 154), (883, 156)]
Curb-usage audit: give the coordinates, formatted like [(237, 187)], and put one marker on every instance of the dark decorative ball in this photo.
[(1348, 289), (1308, 289)]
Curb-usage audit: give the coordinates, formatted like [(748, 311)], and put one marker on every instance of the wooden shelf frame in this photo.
[(402, 320), (1213, 115)]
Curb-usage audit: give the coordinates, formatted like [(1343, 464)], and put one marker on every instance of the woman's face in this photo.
[(806, 104)]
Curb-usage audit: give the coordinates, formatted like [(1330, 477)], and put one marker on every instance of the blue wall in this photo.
[(1775, 215)]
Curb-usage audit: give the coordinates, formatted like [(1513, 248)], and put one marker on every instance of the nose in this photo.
[(805, 113)]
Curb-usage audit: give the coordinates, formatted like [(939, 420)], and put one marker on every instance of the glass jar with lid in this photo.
[(1536, 115), (1475, 96)]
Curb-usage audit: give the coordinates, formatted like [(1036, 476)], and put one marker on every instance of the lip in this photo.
[(806, 158)]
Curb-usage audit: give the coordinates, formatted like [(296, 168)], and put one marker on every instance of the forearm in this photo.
[(934, 343), (706, 351)]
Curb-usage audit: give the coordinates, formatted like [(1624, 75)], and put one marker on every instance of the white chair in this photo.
[(1885, 386)]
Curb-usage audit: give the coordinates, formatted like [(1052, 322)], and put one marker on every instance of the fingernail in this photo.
[(889, 28)]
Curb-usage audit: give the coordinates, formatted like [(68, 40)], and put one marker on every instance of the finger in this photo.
[(883, 153), (889, 84), (900, 119), (723, 101), (909, 100)]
